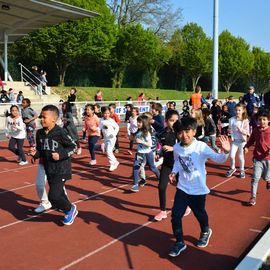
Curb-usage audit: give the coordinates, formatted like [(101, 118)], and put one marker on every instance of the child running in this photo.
[(144, 152), (260, 136), (109, 129), (55, 148), (167, 139), (116, 118), (29, 116), (190, 157), (133, 127), (16, 133), (91, 125), (239, 129)]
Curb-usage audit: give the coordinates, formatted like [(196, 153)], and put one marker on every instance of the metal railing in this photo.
[(29, 78)]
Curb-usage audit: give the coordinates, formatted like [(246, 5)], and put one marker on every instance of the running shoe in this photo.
[(142, 182), (135, 188), (70, 215), (252, 201), (177, 249), (161, 215), (242, 174), (22, 163), (230, 172), (93, 162), (204, 239), (43, 207)]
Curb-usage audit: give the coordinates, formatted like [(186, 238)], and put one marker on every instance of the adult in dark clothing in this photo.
[(231, 106), (37, 80), (215, 112), (266, 98), (251, 99), (71, 102)]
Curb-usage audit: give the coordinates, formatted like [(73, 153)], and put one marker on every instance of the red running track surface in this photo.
[(115, 228)]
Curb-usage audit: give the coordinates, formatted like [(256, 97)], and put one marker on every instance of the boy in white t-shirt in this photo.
[(190, 156)]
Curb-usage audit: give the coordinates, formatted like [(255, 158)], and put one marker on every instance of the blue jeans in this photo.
[(139, 160), (212, 140), (92, 140), (197, 204)]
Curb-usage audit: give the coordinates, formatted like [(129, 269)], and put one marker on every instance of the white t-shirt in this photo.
[(15, 128), (108, 127), (189, 162), (133, 124)]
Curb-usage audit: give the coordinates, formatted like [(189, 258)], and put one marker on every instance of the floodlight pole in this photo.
[(5, 56), (215, 50)]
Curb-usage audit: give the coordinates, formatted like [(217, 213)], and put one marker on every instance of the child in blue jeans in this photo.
[(144, 152), (190, 156)]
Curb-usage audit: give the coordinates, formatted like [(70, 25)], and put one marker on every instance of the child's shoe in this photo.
[(177, 249), (230, 172), (93, 162), (135, 188), (268, 185), (161, 215), (79, 151), (204, 239), (252, 202), (242, 174), (22, 163), (142, 182), (70, 215), (43, 207)]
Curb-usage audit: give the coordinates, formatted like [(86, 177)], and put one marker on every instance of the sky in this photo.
[(248, 19)]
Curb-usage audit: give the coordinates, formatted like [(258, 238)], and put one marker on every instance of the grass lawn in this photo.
[(110, 94)]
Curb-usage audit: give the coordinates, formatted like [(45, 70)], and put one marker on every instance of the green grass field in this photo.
[(110, 94)]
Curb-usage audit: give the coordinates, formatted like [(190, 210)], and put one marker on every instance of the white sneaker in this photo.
[(19, 159), (23, 163), (79, 151), (102, 146), (114, 166), (43, 207), (93, 162)]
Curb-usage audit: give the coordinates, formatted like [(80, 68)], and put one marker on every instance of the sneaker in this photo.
[(102, 147), (230, 172), (43, 207), (116, 164), (142, 182), (204, 239), (242, 174), (177, 249), (70, 215), (188, 211), (19, 159), (93, 162), (267, 185), (79, 151), (116, 151), (161, 215), (113, 166), (135, 188), (252, 201), (23, 163)]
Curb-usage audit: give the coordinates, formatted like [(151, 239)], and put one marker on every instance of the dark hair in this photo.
[(104, 109), (136, 109), (51, 108), (185, 103), (65, 107), (112, 105), (171, 103), (206, 112), (157, 107), (170, 113), (185, 123), (27, 100), (91, 106), (8, 113), (264, 113), (146, 127), (97, 105)]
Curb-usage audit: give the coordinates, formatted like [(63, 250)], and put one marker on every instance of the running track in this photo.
[(115, 228)]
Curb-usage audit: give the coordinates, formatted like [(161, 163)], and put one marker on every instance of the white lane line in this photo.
[(255, 230), (18, 188), (53, 210), (19, 168), (123, 236)]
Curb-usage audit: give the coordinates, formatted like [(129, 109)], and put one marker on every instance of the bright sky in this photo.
[(248, 19)]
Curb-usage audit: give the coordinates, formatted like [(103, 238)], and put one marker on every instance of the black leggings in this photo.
[(162, 186)]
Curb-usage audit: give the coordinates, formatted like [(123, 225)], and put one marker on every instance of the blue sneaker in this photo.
[(177, 249), (70, 215), (135, 188), (204, 239)]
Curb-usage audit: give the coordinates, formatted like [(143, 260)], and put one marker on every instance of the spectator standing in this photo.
[(20, 97), (37, 80), (196, 98), (71, 101), (231, 106), (251, 99)]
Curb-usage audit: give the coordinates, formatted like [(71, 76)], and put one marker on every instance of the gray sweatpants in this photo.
[(41, 180), (261, 168)]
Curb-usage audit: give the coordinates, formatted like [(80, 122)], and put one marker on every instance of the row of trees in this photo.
[(137, 39)]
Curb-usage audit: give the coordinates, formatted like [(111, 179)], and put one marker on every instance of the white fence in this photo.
[(120, 108)]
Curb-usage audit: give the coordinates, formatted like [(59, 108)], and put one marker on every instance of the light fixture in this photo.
[(5, 7)]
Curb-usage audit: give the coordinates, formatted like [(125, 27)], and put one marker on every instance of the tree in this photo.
[(68, 42), (156, 15), (196, 52), (261, 69), (235, 59)]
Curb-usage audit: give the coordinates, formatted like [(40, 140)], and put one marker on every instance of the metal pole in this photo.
[(6, 56), (215, 50)]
